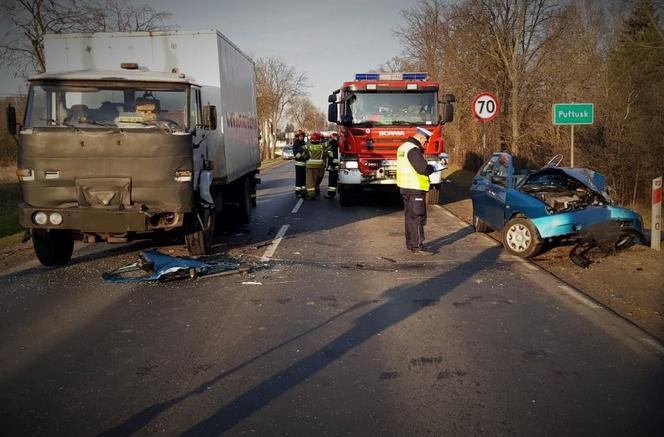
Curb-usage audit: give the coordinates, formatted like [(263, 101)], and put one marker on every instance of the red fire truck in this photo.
[(377, 112)]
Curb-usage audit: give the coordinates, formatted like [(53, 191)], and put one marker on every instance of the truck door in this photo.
[(198, 133)]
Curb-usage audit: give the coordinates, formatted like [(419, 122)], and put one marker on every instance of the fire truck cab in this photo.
[(376, 113)]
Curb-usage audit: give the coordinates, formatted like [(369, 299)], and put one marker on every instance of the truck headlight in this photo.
[(40, 218), (55, 218), (350, 164)]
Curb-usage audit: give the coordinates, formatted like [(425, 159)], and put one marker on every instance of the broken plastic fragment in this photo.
[(155, 266)]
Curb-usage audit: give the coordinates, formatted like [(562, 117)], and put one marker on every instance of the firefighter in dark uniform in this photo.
[(300, 164), (332, 166), (413, 180)]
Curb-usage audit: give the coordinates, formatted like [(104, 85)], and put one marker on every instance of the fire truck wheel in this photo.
[(348, 196), (433, 196), (53, 247)]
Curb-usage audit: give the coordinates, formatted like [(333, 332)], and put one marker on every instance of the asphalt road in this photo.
[(336, 331)]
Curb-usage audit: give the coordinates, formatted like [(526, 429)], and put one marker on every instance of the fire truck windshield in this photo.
[(390, 108)]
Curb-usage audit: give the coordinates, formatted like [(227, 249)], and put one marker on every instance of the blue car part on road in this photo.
[(155, 266)]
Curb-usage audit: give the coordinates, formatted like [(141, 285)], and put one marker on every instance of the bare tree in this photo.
[(27, 21), (305, 115), (278, 85)]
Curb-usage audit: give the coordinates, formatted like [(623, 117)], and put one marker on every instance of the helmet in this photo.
[(315, 137), (299, 132)]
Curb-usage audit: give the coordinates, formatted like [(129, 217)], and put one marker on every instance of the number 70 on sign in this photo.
[(485, 107)]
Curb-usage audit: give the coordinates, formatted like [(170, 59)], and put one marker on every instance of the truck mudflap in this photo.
[(93, 220)]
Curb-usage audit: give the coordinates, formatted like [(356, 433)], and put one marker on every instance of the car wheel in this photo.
[(521, 238), (480, 225)]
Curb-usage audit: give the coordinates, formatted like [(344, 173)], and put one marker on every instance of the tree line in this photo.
[(534, 53)]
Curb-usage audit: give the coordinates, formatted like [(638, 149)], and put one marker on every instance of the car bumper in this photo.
[(570, 223)]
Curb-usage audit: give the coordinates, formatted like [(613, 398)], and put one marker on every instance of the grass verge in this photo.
[(10, 196)]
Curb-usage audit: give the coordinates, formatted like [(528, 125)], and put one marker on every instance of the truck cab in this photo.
[(377, 112), (123, 149), (103, 156)]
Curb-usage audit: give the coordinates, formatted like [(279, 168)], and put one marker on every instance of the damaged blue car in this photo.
[(552, 205)]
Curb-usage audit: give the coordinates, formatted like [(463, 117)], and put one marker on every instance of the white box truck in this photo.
[(127, 134)]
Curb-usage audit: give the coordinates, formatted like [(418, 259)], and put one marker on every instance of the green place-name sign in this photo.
[(573, 113)]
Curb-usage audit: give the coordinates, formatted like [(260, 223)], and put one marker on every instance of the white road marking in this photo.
[(579, 297), (297, 206), (654, 344), (269, 252)]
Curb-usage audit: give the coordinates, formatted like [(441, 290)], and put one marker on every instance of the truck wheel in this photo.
[(244, 201), (198, 239), (521, 238), (53, 247), (433, 195), (348, 196), (480, 225)]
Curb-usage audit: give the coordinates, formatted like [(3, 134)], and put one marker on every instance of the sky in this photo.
[(328, 40)]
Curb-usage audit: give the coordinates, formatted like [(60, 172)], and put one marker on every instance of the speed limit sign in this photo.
[(485, 107)]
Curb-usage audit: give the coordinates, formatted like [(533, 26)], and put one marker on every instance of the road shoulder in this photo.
[(630, 283)]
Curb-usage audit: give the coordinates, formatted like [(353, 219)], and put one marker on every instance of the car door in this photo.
[(478, 188), (496, 191)]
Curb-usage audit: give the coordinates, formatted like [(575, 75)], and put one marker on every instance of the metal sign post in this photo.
[(571, 159), (573, 114), (656, 227)]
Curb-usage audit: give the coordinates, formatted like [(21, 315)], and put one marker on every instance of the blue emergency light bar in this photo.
[(367, 76), (391, 76)]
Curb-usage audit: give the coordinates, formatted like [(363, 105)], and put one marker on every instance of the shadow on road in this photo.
[(402, 303)]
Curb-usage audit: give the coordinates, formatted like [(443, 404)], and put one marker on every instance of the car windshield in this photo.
[(125, 107), (394, 108)]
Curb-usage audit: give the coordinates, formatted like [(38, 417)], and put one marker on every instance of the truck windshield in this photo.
[(125, 107), (394, 108)]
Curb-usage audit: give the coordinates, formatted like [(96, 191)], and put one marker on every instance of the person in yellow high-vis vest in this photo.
[(316, 155), (413, 181)]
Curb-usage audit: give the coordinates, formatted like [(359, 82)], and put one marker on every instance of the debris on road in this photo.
[(252, 283), (154, 266)]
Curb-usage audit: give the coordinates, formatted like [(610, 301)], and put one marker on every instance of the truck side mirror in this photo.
[(448, 106), (346, 120), (11, 119), (209, 117), (332, 112)]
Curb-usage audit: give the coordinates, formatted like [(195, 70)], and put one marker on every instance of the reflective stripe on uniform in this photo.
[(331, 189), (407, 177), (315, 163), (300, 163)]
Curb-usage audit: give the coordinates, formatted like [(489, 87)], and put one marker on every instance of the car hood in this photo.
[(590, 178)]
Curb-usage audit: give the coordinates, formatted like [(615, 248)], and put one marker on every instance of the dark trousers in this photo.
[(415, 212), (300, 178), (332, 179)]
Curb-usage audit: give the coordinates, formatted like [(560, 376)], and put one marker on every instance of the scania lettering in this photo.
[(376, 113)]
